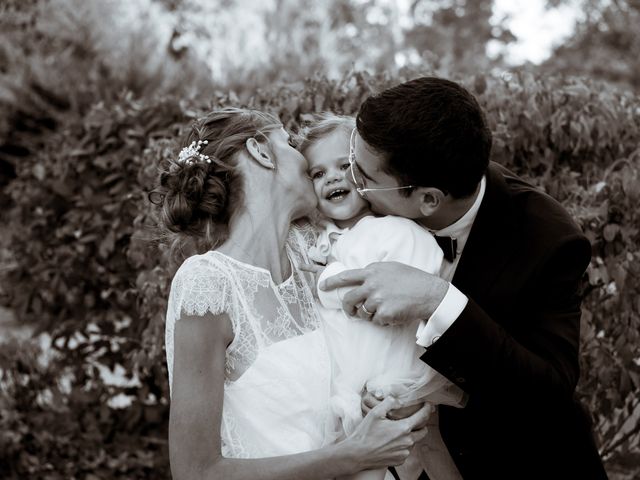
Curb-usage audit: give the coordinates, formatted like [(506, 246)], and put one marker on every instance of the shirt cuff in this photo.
[(447, 312)]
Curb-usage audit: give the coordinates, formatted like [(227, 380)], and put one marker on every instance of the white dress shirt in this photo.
[(454, 300)]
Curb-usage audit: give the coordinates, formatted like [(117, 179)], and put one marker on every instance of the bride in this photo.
[(248, 367)]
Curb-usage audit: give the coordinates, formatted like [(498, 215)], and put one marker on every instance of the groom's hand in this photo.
[(394, 293)]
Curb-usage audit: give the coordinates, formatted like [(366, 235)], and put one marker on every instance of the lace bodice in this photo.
[(277, 376), (261, 312)]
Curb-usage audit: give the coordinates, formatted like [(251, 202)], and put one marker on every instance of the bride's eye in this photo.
[(344, 166)]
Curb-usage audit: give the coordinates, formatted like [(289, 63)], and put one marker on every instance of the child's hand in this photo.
[(314, 268)]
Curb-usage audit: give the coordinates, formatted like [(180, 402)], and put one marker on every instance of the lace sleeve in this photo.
[(198, 287)]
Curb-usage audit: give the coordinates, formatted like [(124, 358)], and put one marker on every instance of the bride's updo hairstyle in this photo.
[(201, 188)]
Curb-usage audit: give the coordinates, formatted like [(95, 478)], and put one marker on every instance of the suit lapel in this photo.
[(491, 240)]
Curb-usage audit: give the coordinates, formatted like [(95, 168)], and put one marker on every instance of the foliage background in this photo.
[(94, 95)]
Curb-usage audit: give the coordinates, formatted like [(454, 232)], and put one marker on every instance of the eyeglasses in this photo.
[(358, 177)]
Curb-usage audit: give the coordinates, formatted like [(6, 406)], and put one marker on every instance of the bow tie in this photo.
[(449, 247)]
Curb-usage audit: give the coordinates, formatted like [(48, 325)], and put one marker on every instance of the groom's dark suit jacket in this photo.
[(514, 348)]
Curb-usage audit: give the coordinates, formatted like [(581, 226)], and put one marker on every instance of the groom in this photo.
[(502, 320)]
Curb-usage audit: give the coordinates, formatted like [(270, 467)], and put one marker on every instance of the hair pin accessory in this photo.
[(192, 153)]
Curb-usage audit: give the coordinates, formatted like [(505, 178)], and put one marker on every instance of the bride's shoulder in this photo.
[(196, 262), (204, 269), (200, 285)]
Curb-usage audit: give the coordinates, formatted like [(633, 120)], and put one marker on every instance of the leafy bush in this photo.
[(90, 272), (58, 58)]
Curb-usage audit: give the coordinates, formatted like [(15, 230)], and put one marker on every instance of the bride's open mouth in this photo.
[(337, 195)]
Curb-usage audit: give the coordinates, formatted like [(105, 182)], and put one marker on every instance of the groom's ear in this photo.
[(261, 153), (430, 200)]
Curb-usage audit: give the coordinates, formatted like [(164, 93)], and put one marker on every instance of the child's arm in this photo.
[(380, 239), (332, 298), (397, 239)]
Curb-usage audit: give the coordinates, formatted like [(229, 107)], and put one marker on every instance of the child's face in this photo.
[(328, 166)]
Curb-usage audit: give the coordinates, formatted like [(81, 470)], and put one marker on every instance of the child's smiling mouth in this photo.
[(337, 195)]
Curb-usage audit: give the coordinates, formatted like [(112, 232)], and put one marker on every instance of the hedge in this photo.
[(87, 269)]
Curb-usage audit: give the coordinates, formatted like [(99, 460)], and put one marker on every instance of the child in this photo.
[(383, 359)]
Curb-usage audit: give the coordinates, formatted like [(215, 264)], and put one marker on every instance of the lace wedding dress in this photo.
[(277, 376)]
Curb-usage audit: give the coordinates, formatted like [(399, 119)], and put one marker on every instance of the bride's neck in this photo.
[(258, 238)]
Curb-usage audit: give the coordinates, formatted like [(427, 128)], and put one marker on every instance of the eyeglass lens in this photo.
[(355, 172)]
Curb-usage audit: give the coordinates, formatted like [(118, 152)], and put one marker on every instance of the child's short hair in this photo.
[(322, 125)]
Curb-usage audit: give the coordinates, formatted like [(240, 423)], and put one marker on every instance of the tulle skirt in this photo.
[(383, 359), (280, 405)]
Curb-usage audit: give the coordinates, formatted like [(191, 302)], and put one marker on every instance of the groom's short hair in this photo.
[(431, 132)]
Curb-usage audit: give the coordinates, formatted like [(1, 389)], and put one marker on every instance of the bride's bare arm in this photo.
[(196, 410)]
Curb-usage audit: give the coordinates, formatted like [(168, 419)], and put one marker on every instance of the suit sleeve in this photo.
[(538, 360)]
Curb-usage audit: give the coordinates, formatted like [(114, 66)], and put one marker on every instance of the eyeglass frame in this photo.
[(352, 162)]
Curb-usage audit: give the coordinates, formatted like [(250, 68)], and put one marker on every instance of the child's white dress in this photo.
[(385, 359)]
